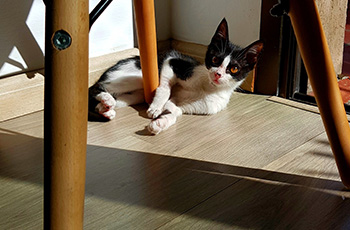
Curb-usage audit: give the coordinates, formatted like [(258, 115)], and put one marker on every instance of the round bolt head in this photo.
[(61, 40)]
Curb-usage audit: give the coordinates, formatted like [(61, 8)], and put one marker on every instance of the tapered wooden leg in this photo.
[(146, 31), (316, 56), (66, 103)]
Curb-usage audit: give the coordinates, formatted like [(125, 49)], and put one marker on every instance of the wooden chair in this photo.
[(66, 102)]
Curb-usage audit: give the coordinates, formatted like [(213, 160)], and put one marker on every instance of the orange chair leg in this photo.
[(66, 103), (316, 56), (146, 31)]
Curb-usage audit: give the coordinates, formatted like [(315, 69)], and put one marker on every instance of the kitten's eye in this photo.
[(234, 69), (215, 60)]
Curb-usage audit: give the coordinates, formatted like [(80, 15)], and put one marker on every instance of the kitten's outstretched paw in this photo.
[(158, 125), (106, 105), (153, 112)]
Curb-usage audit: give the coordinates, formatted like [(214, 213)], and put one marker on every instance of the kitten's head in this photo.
[(227, 63)]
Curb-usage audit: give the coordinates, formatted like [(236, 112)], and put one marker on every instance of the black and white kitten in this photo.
[(186, 86)]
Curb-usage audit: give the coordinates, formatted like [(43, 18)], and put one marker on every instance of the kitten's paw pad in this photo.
[(110, 114), (105, 111), (153, 112), (107, 100), (158, 125)]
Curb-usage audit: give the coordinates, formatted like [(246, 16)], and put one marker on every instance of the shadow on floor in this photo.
[(138, 190)]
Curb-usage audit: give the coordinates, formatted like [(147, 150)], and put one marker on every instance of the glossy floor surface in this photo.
[(257, 165)]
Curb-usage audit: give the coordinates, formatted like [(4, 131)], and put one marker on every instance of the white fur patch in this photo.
[(132, 98), (126, 79)]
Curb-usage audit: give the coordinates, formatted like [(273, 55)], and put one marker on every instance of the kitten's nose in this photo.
[(217, 75)]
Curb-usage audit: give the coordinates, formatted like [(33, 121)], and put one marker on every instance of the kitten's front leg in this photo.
[(161, 97), (166, 119), (167, 80)]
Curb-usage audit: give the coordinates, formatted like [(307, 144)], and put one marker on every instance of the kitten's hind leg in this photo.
[(106, 105), (166, 119)]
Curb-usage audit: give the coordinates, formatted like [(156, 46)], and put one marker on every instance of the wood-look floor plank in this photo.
[(266, 204), (256, 165), (253, 136), (251, 131), (145, 190), (300, 190), (313, 159)]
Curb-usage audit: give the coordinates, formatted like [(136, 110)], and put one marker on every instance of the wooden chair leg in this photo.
[(146, 31), (66, 103), (316, 56)]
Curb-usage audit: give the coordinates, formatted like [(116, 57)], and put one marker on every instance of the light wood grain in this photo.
[(257, 165), (20, 95)]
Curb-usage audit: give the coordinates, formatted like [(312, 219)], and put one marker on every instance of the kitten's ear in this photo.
[(252, 53), (222, 31)]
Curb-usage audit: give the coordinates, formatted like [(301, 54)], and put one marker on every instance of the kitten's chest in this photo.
[(199, 95), (210, 98)]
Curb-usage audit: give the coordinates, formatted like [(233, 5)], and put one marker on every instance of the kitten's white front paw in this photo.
[(158, 125), (153, 112)]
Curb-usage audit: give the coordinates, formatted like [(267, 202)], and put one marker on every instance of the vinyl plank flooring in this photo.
[(256, 165), (300, 190), (251, 131), (145, 190), (266, 204), (20, 205), (312, 159), (21, 193), (257, 136)]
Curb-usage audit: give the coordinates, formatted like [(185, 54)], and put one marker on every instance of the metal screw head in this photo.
[(61, 40)]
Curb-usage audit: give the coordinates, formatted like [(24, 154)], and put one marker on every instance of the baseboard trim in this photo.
[(298, 105)]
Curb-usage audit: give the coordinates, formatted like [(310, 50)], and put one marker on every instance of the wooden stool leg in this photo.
[(66, 103), (146, 31), (316, 56)]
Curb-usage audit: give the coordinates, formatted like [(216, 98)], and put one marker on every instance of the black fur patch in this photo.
[(182, 65)]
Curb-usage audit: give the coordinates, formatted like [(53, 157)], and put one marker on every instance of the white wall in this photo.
[(21, 35), (22, 25), (196, 20), (113, 30)]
